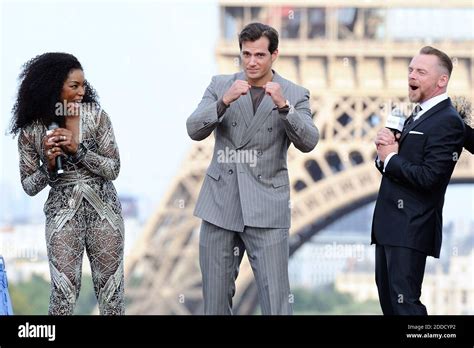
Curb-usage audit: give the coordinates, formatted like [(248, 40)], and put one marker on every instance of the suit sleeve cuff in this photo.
[(221, 108), (390, 155)]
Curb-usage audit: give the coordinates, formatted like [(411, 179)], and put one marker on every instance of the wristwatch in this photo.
[(285, 108)]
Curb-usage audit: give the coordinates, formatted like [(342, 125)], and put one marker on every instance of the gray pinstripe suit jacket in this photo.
[(251, 189)]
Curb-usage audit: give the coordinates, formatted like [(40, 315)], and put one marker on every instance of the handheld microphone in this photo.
[(395, 121), (59, 159)]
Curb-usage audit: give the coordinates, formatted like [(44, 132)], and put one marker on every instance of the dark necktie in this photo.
[(410, 119)]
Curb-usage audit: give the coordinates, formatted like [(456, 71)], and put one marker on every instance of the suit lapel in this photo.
[(263, 112), (245, 102), (424, 117)]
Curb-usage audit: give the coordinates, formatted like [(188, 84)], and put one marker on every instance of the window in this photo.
[(233, 21), (316, 23), (290, 22)]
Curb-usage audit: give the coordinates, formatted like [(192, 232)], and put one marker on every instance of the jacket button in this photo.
[(259, 153), (234, 124), (259, 177), (231, 171), (270, 129)]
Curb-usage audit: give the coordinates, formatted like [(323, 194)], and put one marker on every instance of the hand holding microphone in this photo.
[(396, 121), (386, 140), (393, 128), (56, 143), (53, 151)]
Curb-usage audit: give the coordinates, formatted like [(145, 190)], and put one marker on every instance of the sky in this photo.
[(150, 62)]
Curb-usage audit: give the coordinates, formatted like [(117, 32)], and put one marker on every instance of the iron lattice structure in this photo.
[(355, 71)]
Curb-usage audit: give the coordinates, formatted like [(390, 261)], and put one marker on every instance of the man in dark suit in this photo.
[(416, 167)]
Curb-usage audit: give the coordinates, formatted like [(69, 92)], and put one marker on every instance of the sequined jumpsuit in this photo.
[(82, 212)]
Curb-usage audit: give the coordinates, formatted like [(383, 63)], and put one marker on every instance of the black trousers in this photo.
[(399, 274)]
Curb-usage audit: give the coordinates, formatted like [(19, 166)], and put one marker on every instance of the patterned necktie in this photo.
[(410, 119)]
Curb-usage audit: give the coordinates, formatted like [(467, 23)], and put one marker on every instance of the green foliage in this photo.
[(87, 300), (371, 307), (32, 297), (326, 301)]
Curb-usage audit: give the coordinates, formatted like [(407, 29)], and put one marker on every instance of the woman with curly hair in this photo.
[(82, 210), (464, 108)]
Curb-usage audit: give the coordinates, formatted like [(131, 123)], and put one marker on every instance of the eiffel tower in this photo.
[(355, 68)]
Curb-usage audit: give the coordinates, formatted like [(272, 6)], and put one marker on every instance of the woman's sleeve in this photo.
[(106, 161), (34, 176)]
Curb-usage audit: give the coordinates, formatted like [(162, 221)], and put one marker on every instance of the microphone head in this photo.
[(396, 120), (52, 127)]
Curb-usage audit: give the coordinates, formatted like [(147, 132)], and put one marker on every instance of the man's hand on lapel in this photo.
[(238, 88), (273, 89)]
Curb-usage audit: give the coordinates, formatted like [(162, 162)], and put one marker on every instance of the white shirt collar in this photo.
[(428, 104)]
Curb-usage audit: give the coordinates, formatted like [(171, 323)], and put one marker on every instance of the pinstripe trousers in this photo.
[(220, 254)]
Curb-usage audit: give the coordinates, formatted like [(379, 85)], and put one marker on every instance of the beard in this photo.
[(414, 96)]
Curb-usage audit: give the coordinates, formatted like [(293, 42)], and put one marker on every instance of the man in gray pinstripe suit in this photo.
[(245, 198)]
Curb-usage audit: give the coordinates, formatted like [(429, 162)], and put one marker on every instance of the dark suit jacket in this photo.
[(408, 211), (469, 139)]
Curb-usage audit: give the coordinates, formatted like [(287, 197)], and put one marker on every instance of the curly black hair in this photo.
[(41, 83), (464, 108)]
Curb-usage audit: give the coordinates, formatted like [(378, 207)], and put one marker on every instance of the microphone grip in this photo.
[(59, 164), (395, 131), (59, 159)]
